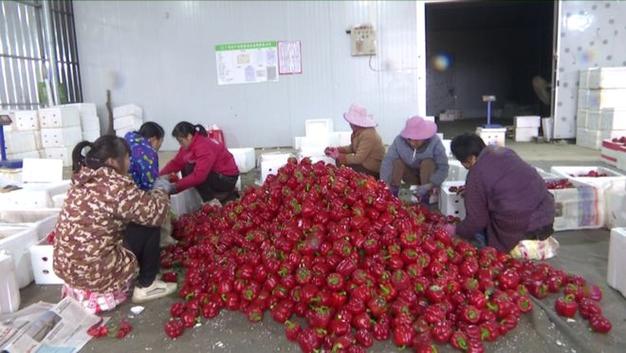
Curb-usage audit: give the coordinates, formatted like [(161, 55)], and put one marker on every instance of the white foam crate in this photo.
[(581, 118), (128, 109), (297, 142), (62, 153), (315, 145), (492, 136), (583, 99), (447, 145), (26, 120), (245, 158), (123, 132), (593, 138), (10, 176), (616, 276), (451, 203), (91, 135), (606, 77), (611, 152), (127, 122), (24, 155), (607, 98), (16, 240), (41, 257), (84, 109), (614, 178), (582, 207), (59, 117), (343, 138), (271, 162), (456, 171), (90, 123), (526, 134), (61, 137), (318, 127), (527, 121), (20, 141), (545, 175), (583, 79), (615, 209), (606, 119), (38, 170), (33, 195)]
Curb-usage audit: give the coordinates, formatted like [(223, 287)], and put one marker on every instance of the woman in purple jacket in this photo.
[(506, 200)]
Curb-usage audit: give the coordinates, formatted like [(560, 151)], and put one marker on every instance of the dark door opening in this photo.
[(488, 47)]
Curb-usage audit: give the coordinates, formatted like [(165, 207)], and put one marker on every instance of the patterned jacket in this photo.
[(88, 250), (144, 161)]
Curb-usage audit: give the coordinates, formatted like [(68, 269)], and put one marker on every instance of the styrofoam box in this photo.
[(271, 162), (621, 162), (90, 122), (440, 135), (128, 109), (606, 119), (245, 158), (318, 127), (297, 142), (582, 207), (16, 240), (10, 176), (615, 209), (614, 179), (581, 118), (583, 79), (607, 98), (84, 109), (127, 121), (446, 145), (62, 137), (607, 77), (451, 203), (38, 143), (41, 257), (583, 99), (123, 132), (526, 134), (610, 152), (26, 120), (593, 138), (36, 170), (33, 195), (545, 175), (59, 117), (24, 155), (62, 153), (456, 171), (492, 136), (430, 118), (527, 121), (20, 141), (184, 202), (91, 135), (315, 145), (616, 276)]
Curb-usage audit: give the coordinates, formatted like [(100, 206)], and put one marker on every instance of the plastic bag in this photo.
[(536, 249)]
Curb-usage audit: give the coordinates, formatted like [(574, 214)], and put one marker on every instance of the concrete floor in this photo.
[(583, 252)]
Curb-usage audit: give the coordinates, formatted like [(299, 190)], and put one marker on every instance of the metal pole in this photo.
[(51, 51), (489, 114), (3, 153)]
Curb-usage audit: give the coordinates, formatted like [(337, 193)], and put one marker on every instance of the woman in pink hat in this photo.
[(366, 151), (416, 157)]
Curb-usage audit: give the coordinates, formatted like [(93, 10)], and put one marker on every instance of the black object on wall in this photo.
[(486, 47)]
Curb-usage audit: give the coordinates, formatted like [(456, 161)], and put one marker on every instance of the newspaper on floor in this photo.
[(47, 328)]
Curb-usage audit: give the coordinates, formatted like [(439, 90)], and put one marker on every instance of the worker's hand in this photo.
[(327, 151), (450, 229), (422, 190), (165, 185)]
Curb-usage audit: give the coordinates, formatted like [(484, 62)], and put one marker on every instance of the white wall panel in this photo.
[(160, 55)]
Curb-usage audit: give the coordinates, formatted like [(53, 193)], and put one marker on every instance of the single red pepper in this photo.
[(459, 340), (566, 306), (600, 324)]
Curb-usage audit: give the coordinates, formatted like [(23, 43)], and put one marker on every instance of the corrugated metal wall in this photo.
[(23, 60), (160, 55)]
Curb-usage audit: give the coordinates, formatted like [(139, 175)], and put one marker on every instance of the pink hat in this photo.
[(417, 128), (358, 116)]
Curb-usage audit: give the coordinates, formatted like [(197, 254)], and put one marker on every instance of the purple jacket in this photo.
[(506, 197)]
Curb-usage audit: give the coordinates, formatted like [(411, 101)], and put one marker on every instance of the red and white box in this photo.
[(611, 151), (451, 203)]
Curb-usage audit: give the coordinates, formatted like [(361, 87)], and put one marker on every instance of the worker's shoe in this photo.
[(158, 289)]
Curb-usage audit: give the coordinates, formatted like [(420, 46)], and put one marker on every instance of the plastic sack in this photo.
[(535, 249)]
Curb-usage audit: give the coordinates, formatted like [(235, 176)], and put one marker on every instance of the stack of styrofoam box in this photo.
[(89, 120), (526, 128), (451, 203), (21, 230), (601, 112), (127, 118), (22, 137), (319, 134), (271, 162), (612, 152), (616, 276), (42, 180), (456, 171), (609, 190), (245, 158), (492, 136), (60, 132)]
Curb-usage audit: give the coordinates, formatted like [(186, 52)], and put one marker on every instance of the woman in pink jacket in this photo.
[(204, 163)]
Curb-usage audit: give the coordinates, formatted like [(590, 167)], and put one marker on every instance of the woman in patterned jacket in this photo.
[(89, 254)]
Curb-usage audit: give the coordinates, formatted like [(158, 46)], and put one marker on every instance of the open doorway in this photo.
[(474, 48)]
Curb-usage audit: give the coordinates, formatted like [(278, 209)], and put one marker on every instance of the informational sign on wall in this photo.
[(246, 62), (289, 57)]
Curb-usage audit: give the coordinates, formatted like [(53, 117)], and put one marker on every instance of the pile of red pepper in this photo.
[(559, 184), (341, 263)]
